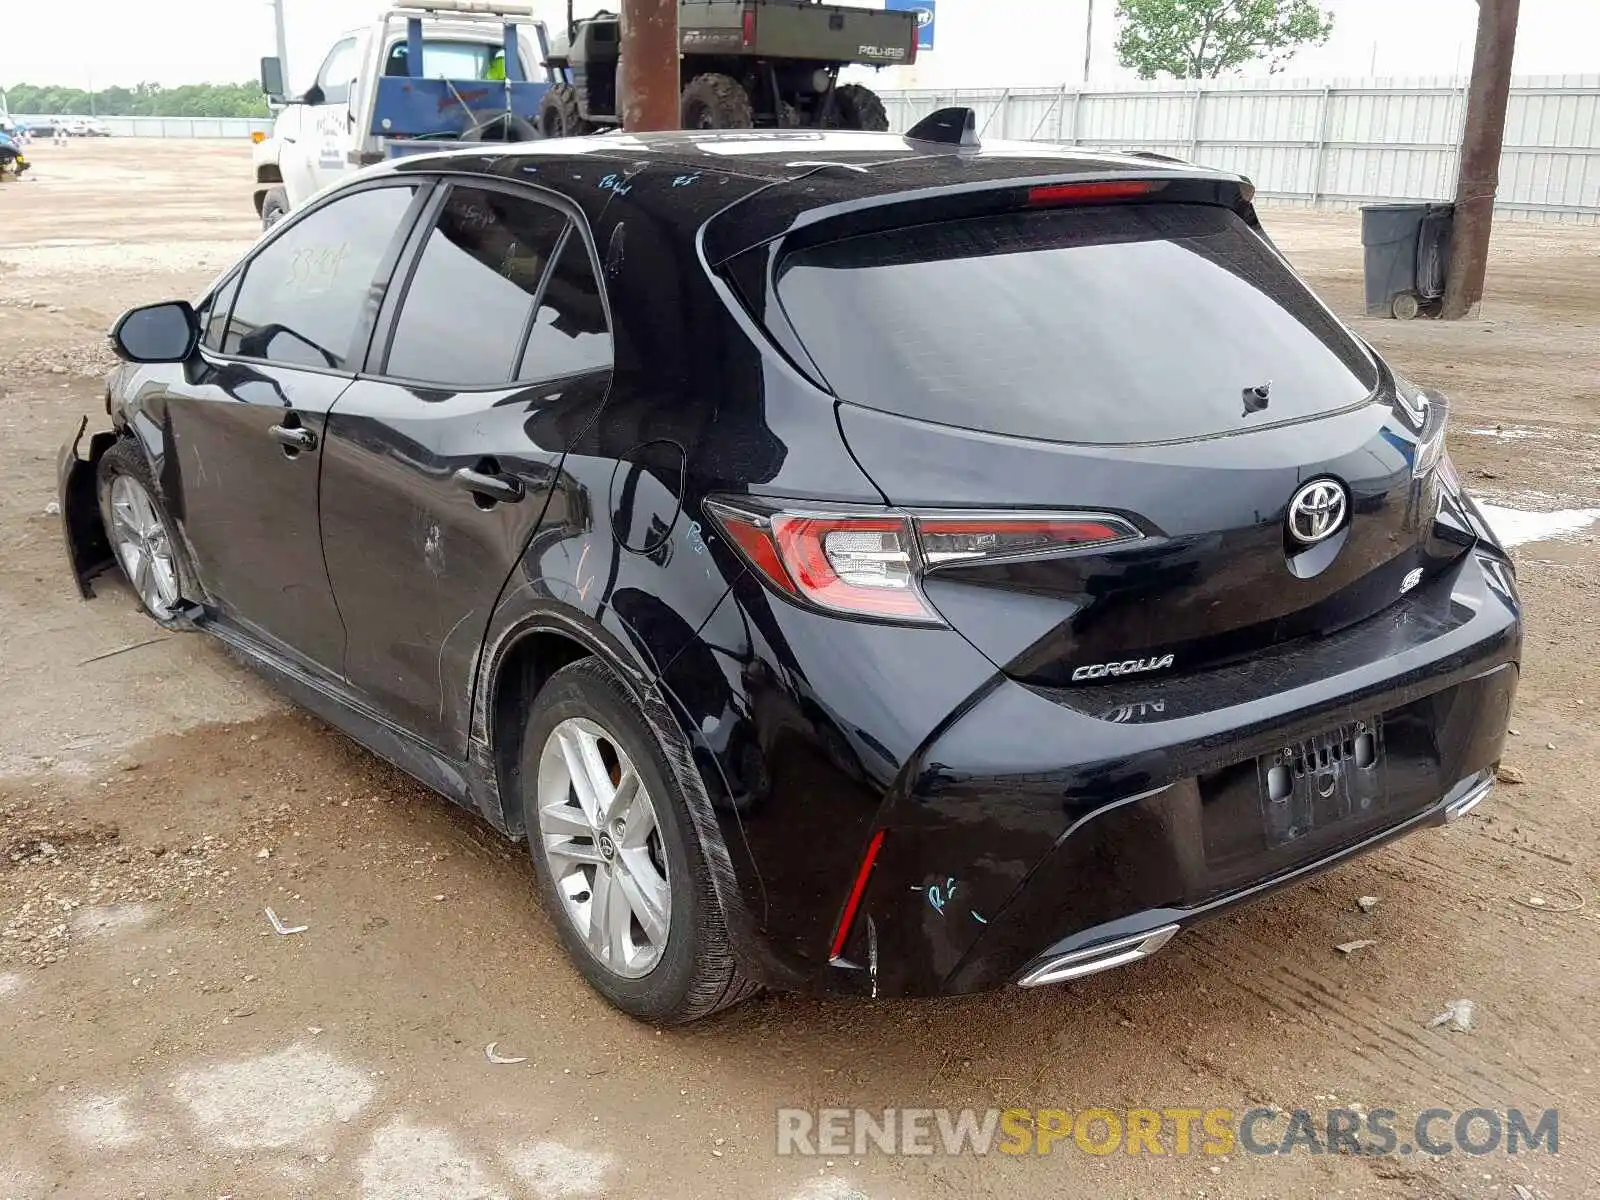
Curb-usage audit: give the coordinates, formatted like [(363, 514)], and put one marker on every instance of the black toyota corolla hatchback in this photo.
[(854, 563)]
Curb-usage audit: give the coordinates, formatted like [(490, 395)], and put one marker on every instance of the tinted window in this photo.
[(305, 293), (467, 307), (214, 314), (1138, 323), (569, 336)]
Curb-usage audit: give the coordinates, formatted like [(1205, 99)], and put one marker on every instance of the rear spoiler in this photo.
[(833, 201)]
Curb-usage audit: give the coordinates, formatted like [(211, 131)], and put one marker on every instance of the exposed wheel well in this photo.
[(527, 667)]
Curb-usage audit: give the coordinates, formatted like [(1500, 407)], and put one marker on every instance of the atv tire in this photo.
[(559, 115), (716, 102), (857, 107)]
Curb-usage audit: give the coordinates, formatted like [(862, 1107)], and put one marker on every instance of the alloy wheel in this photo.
[(603, 846), (142, 546)]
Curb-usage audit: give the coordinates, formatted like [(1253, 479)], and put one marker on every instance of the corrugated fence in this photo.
[(1335, 145), (171, 127)]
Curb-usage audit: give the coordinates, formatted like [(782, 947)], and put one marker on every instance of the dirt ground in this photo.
[(158, 1039)]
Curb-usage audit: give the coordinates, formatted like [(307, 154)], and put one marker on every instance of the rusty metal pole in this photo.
[(1481, 138), (648, 73)]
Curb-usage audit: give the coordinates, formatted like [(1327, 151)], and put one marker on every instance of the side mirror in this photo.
[(272, 78), (157, 333)]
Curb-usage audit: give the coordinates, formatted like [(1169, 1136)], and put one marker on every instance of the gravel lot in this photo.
[(160, 1040)]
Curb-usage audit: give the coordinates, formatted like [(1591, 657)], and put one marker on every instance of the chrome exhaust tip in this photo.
[(1098, 958), (1471, 798)]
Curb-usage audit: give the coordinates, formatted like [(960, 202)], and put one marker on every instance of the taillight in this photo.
[(991, 538), (862, 565), (871, 564), (1099, 192), (749, 27)]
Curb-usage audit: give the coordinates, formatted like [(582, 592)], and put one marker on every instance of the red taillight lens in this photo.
[(749, 27), (866, 566), (872, 564), (1102, 192)]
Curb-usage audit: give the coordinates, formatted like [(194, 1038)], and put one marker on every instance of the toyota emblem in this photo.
[(1317, 511)]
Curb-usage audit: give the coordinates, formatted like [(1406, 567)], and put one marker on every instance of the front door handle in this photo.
[(294, 437), (494, 488)]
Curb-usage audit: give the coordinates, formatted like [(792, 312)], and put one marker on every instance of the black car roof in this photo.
[(799, 171)]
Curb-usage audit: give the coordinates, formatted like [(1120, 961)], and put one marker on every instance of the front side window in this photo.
[(468, 305), (214, 314), (304, 295), (338, 70)]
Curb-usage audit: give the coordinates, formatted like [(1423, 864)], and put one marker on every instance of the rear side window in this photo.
[(569, 334), (469, 302), (1132, 323)]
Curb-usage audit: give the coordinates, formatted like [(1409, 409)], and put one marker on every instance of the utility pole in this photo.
[(1481, 139), (283, 39), (1088, 40), (647, 77)]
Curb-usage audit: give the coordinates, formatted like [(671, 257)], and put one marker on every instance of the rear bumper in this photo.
[(1042, 825)]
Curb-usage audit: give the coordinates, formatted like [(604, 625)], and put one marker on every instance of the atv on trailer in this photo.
[(745, 63)]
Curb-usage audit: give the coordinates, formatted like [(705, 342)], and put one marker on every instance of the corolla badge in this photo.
[(1317, 511)]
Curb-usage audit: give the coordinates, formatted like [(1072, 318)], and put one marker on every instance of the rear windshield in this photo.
[(1132, 323)]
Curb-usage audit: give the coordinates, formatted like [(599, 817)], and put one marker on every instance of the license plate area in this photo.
[(1323, 780)]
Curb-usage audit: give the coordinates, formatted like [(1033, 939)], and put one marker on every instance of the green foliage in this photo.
[(1193, 39), (141, 100)]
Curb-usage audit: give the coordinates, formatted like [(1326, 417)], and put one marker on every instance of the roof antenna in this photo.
[(949, 126)]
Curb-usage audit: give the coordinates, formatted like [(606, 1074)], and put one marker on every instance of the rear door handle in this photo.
[(294, 437), (493, 488)]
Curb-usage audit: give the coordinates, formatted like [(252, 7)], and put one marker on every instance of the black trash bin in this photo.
[(1405, 248)]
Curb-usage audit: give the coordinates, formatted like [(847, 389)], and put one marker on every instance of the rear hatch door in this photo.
[(1156, 363)]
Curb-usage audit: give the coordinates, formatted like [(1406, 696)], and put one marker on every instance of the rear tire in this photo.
[(274, 207), (559, 115), (665, 971), (857, 107), (144, 539), (714, 101)]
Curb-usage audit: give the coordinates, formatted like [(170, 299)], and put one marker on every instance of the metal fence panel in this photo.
[(1334, 144), (167, 127)]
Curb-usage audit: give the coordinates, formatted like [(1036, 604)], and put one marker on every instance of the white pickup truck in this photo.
[(421, 73)]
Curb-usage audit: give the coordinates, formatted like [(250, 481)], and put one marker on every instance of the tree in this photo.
[(1194, 39), (142, 100)]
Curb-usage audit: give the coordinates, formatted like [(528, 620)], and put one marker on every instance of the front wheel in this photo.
[(560, 115), (857, 107), (619, 865), (141, 534), (274, 207)]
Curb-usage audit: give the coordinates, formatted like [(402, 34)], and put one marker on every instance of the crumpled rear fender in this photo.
[(88, 548)]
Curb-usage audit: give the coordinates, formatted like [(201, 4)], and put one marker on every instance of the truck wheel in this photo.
[(716, 102), (274, 207), (559, 115), (857, 107)]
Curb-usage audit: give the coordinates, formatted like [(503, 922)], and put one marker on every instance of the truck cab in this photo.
[(430, 71)]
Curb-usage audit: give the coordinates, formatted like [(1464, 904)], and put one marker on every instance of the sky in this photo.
[(978, 43)]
